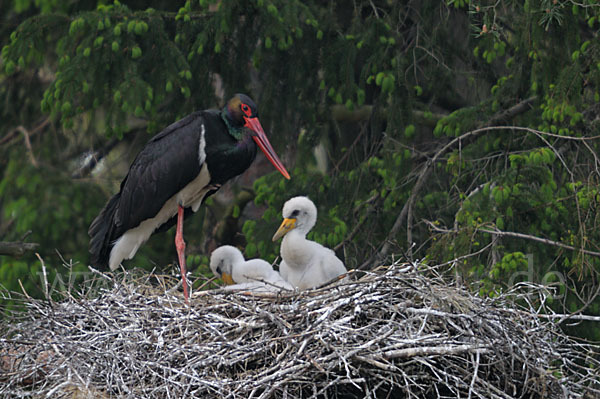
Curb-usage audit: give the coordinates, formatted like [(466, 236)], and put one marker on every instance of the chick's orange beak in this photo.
[(286, 226), (227, 279)]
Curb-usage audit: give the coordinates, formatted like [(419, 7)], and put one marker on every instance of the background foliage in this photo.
[(460, 131)]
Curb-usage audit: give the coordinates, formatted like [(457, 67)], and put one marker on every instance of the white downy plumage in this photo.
[(305, 264), (256, 275)]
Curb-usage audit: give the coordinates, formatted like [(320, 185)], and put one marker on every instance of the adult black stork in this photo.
[(173, 174)]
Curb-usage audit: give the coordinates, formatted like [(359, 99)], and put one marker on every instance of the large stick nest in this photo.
[(400, 331)]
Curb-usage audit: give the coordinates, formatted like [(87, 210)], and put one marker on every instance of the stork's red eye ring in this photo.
[(246, 109)]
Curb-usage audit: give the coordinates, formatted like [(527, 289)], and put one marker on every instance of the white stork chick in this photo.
[(257, 275), (306, 264)]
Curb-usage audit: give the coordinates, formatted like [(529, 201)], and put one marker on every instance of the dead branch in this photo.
[(517, 235), (28, 145), (14, 133), (16, 248)]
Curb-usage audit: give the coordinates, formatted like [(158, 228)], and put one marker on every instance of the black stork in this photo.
[(173, 174)]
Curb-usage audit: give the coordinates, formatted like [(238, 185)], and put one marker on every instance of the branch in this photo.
[(422, 178), (26, 135), (16, 248), (354, 231), (442, 350), (14, 133), (517, 235), (539, 239), (358, 226), (575, 317), (513, 111), (523, 106)]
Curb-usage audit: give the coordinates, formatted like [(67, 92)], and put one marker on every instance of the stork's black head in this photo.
[(242, 112), (239, 108)]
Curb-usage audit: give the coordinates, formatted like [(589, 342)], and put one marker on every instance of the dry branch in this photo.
[(400, 330), (517, 235), (16, 248), (14, 133)]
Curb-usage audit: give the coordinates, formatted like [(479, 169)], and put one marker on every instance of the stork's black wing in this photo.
[(166, 164)]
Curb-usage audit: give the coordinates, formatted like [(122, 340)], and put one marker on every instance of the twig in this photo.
[(13, 133), (45, 275), (517, 235), (435, 351), (28, 145), (564, 317), (23, 289), (539, 239), (474, 379)]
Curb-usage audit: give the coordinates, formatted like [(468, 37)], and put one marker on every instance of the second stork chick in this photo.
[(228, 263)]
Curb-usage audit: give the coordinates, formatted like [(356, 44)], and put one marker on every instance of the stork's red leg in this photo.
[(180, 245)]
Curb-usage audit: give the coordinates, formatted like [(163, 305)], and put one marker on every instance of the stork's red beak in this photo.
[(263, 142)]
